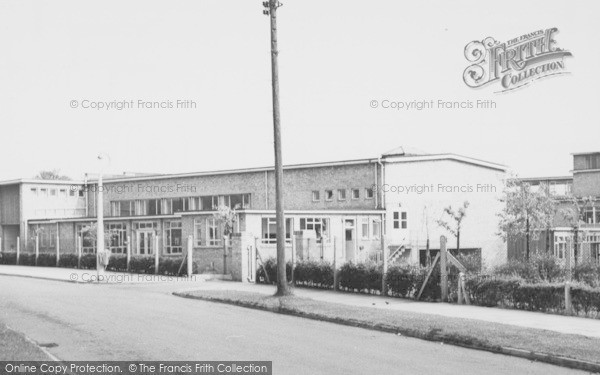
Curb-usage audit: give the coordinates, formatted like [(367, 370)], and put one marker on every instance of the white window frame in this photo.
[(170, 248), (217, 240), (376, 224), (345, 194), (316, 196), (365, 234), (357, 191), (369, 193), (198, 228), (327, 192)]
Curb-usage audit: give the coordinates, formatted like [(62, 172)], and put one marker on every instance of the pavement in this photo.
[(558, 323), (144, 321)]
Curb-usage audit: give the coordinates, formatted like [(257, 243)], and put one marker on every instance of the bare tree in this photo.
[(52, 175), (454, 226)]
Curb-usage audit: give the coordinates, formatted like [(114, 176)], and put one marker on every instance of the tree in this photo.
[(526, 212), (227, 217), (574, 215), (52, 175), (455, 224)]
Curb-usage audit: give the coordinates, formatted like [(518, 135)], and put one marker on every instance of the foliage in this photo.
[(526, 212), (404, 280), (361, 277), (456, 218), (226, 217), (88, 261), (313, 273), (67, 260), (587, 272), (270, 266), (53, 174)]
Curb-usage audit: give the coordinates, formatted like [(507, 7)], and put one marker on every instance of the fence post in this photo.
[(18, 249), (1, 248), (385, 267), (57, 248), (568, 302), (156, 255), (294, 257), (224, 255), (37, 248), (79, 250), (128, 252), (444, 268), (335, 273), (190, 256), (460, 289)]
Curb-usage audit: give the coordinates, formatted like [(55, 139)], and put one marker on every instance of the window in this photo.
[(173, 240), (208, 203), (342, 194), (34, 191), (71, 192), (592, 162), (328, 195), (376, 228), (400, 220), (319, 225), (117, 238), (364, 224), (43, 191), (369, 194), (145, 225), (316, 196), (52, 192), (63, 192), (561, 243), (87, 238), (197, 232), (122, 208), (588, 215), (269, 230), (355, 193), (213, 232), (47, 237), (177, 205)]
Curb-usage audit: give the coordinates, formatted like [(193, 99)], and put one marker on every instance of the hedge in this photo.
[(519, 294)]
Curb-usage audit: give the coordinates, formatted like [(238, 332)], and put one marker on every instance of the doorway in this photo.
[(145, 242)]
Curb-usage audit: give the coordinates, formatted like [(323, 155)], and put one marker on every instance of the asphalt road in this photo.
[(145, 322)]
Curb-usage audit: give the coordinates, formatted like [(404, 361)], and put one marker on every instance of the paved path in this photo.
[(144, 321), (557, 323)]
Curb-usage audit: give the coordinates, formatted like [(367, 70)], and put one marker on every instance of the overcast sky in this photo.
[(335, 58)]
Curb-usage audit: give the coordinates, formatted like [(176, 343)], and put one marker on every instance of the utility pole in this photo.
[(282, 285)]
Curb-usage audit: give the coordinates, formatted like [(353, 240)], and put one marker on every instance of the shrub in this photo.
[(404, 280), (117, 263), (88, 262), (547, 267), (27, 259), (361, 277), (491, 291), (47, 260), (67, 260), (170, 266), (587, 272), (141, 264), (270, 266), (318, 274), (517, 269), (585, 300), (8, 257)]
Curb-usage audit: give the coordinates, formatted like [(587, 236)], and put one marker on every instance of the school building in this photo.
[(351, 208)]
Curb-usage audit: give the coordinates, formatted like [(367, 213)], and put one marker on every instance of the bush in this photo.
[(117, 263), (361, 277), (170, 266), (47, 260), (404, 280), (587, 272), (88, 262), (141, 264), (27, 259), (67, 260), (316, 274), (586, 300), (517, 269), (270, 266), (9, 258)]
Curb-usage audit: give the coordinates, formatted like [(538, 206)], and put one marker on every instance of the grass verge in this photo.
[(567, 350), (15, 347)]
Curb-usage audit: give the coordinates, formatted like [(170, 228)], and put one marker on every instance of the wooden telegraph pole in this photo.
[(282, 285)]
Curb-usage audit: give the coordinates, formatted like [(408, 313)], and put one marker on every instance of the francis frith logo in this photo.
[(515, 63)]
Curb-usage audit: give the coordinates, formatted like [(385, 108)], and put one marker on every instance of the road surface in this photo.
[(146, 322)]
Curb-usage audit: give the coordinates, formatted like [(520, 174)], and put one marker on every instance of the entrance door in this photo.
[(349, 239), (145, 242)]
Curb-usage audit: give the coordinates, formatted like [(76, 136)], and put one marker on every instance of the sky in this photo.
[(336, 58)]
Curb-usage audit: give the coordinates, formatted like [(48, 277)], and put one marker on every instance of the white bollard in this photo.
[(190, 256)]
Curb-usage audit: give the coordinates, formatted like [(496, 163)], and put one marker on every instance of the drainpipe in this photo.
[(382, 181), (85, 183)]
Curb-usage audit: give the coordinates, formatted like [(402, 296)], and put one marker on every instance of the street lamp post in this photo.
[(100, 221)]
